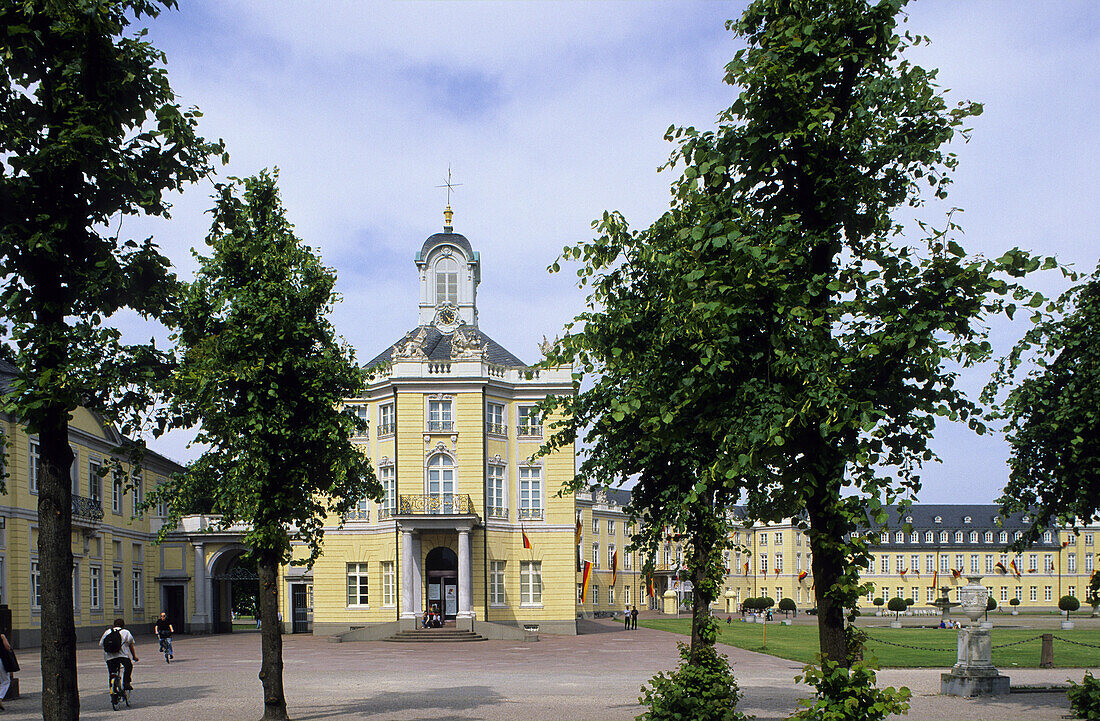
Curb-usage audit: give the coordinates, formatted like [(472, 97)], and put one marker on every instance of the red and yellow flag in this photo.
[(956, 573), (614, 567), (802, 576), (649, 585), (577, 533), (584, 580), (526, 540), (935, 578), (746, 568), (904, 572), (1000, 568), (1015, 568)]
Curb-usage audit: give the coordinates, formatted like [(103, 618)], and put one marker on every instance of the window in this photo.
[(386, 475), (1020, 592), (929, 563), (76, 587), (1088, 563), (779, 563), (580, 592), (139, 594), (626, 560), (389, 587), (494, 419), (989, 536), (446, 281), (1017, 535), (1071, 563), (36, 586), (899, 537), (931, 595), (595, 595), (1072, 540), (530, 492), (973, 536), (1046, 537), (95, 587), (1047, 596), (495, 476), (884, 564), (884, 537), (966, 519), (989, 563), (441, 479), (943, 564), (595, 526), (1048, 562), (357, 585), (611, 560), (763, 563), (1071, 591), (530, 582), (626, 595), (496, 583), (139, 492), (958, 536), (929, 537), (1031, 595), (1004, 593), (763, 539), (611, 527), (74, 471), (943, 536), (778, 538), (360, 411), (360, 511), (385, 419), (1002, 537), (973, 563), (668, 554), (116, 492), (914, 537), (95, 481), (439, 416), (959, 561), (1088, 539), (610, 595), (32, 463), (116, 588), (527, 422), (914, 563), (938, 519), (595, 555)]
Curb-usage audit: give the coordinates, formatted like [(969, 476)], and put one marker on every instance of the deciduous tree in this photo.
[(265, 375), (89, 132)]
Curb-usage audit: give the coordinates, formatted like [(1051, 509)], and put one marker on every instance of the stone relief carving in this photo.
[(411, 347), (466, 345)]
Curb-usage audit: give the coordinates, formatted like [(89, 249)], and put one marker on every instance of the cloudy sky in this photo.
[(550, 113)]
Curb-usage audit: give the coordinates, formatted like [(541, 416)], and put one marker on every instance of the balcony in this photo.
[(441, 426), (497, 429), (447, 504), (528, 430), (385, 429), (87, 511), (530, 514), (497, 512)]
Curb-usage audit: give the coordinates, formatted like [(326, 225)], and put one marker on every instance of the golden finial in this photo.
[(448, 214)]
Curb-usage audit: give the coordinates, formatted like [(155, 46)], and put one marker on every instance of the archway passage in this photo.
[(235, 590), (442, 574)]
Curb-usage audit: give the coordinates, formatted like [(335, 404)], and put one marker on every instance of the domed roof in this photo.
[(445, 238)]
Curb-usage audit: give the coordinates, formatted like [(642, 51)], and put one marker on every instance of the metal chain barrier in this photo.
[(1017, 643), (903, 645), (1077, 643)]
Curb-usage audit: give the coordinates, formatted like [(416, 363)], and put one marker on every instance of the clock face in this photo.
[(446, 316)]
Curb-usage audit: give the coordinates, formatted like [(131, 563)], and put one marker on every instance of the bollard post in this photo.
[(1046, 658)]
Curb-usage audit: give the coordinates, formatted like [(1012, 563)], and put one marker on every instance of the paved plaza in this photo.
[(591, 677)]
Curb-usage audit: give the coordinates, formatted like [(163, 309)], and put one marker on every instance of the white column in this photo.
[(464, 571), (201, 617), (408, 610), (416, 579)]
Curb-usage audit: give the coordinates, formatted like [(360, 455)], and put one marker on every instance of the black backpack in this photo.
[(112, 642)]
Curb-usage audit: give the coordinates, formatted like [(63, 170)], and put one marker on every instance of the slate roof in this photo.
[(952, 516), (440, 238), (437, 346), (7, 373)]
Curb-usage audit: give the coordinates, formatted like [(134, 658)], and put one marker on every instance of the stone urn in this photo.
[(973, 598)]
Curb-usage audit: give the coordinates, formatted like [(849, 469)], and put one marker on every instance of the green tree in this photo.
[(897, 605), (89, 132), (264, 373), (811, 347), (1053, 415)]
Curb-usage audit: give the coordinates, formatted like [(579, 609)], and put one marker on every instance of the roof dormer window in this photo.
[(966, 519), (938, 519)]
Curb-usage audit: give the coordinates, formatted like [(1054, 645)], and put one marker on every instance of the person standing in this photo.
[(626, 618), (634, 618), (8, 666), (119, 651), (164, 633)]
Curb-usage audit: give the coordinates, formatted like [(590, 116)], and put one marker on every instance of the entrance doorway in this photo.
[(235, 590), (174, 608), (442, 573), (299, 608)]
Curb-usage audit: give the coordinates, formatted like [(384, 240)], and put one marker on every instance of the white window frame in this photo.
[(387, 476), (386, 417), (497, 583), (139, 589), (95, 480), (116, 588), (495, 419), (95, 588), (496, 489), (36, 585), (389, 584), (524, 427), (531, 502), (361, 573), (440, 415), (33, 457), (530, 583), (118, 492)]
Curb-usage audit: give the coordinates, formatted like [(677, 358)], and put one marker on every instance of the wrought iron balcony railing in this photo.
[(386, 429), (530, 514), (529, 431), (497, 429), (497, 512), (447, 504), (441, 426), (87, 509)]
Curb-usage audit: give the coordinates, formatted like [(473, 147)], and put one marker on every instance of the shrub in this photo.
[(1084, 697), (1069, 604), (786, 605), (844, 694), (1013, 601), (706, 691), (897, 605), (767, 602), (879, 601)]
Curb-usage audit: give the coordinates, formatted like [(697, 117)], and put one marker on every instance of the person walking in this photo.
[(119, 650), (8, 667)]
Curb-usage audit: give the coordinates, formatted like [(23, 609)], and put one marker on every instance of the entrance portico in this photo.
[(420, 515)]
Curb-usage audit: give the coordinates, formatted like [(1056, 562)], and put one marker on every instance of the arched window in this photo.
[(943, 536), (899, 537), (973, 536), (446, 280), (989, 536), (938, 519), (1003, 537), (885, 537), (929, 537), (958, 536), (966, 519), (441, 482), (915, 537), (1046, 537)]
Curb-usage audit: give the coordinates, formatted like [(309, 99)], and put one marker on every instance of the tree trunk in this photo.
[(60, 700), (700, 602), (271, 643), (826, 527)]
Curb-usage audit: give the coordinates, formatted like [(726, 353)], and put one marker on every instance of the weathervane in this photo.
[(448, 214)]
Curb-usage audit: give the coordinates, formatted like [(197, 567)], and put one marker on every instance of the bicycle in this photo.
[(166, 648), (119, 694)]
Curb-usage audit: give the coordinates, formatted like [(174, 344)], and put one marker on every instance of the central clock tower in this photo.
[(450, 271)]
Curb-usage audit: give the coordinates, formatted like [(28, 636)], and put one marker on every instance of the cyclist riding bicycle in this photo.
[(118, 650), (164, 633)]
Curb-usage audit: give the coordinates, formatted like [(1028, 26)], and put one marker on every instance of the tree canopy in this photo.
[(1053, 414), (90, 132), (265, 375)]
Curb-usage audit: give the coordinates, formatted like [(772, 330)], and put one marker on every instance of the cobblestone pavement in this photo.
[(592, 677)]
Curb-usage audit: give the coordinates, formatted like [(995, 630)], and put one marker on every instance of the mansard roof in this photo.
[(436, 346), (455, 239), (982, 516)]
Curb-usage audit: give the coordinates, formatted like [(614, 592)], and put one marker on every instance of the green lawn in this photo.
[(799, 643)]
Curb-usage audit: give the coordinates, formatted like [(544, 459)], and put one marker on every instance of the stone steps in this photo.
[(435, 635)]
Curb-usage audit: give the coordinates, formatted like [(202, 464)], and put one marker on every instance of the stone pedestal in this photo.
[(668, 600), (973, 673)]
